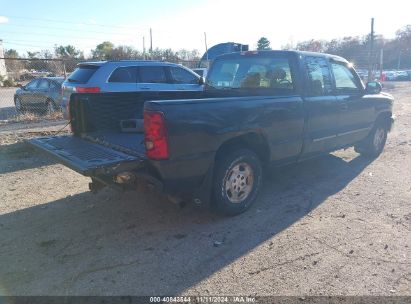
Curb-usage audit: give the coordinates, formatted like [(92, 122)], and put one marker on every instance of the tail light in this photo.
[(88, 90), (155, 135)]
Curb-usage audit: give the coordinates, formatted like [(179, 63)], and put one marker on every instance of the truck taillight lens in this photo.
[(155, 135), (88, 90)]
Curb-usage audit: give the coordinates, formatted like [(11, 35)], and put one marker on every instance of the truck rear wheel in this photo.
[(237, 181), (374, 143)]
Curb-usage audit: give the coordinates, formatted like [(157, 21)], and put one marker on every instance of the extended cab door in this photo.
[(321, 106), (356, 114)]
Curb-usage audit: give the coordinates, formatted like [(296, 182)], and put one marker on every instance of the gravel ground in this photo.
[(336, 225)]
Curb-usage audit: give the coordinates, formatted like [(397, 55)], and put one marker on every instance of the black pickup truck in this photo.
[(257, 109)]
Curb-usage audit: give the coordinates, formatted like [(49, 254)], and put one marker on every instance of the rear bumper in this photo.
[(186, 179)]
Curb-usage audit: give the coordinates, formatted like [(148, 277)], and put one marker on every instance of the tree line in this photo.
[(103, 51), (108, 51), (396, 52)]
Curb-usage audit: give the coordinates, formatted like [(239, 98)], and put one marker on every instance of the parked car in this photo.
[(401, 76), (200, 72), (129, 76), (40, 94), (259, 109), (390, 75)]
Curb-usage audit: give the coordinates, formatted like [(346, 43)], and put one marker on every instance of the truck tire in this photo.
[(237, 181), (19, 106), (374, 143), (50, 107)]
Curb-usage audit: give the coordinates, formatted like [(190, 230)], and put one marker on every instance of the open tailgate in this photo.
[(84, 156)]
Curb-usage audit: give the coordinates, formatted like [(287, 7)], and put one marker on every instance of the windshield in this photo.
[(258, 73)]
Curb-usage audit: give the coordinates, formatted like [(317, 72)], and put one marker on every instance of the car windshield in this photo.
[(256, 73), (83, 73)]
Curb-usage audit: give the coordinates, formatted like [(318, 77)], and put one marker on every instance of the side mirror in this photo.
[(201, 81), (21, 86), (373, 87)]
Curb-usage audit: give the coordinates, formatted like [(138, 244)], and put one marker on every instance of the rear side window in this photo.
[(124, 74), (33, 84), (199, 72), (319, 76), (55, 85), (180, 75), (43, 85), (83, 73), (152, 74)]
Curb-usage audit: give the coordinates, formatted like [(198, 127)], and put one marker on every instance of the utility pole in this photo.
[(399, 61), (151, 44), (381, 63), (205, 42), (144, 48), (371, 51)]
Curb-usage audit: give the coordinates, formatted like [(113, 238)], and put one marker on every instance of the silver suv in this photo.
[(128, 76)]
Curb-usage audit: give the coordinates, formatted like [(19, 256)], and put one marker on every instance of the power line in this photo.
[(71, 22), (55, 28), (55, 35), (124, 27), (45, 45)]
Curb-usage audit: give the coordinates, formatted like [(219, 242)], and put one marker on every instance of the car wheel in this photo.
[(19, 106), (374, 143), (50, 108), (237, 181)]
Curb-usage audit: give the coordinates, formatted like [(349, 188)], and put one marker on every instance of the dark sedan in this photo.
[(40, 94)]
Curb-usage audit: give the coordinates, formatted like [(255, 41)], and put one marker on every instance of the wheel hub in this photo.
[(239, 182)]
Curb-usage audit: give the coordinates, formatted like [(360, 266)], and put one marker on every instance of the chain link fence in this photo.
[(30, 89)]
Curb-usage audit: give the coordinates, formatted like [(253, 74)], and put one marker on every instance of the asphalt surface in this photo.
[(336, 225)]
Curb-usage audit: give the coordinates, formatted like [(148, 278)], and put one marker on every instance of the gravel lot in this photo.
[(336, 225)]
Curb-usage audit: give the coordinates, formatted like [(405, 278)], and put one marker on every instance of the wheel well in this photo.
[(384, 118), (252, 141)]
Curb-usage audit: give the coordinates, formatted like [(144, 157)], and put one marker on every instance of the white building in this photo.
[(3, 71)]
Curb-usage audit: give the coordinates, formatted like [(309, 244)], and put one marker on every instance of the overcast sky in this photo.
[(34, 25)]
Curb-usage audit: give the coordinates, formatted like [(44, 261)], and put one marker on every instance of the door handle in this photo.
[(145, 88)]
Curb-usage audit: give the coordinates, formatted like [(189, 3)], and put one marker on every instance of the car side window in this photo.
[(124, 74), (319, 76), (43, 85), (180, 75), (54, 85), (152, 74), (32, 85), (345, 81)]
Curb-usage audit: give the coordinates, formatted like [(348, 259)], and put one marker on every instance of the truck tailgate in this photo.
[(84, 156)]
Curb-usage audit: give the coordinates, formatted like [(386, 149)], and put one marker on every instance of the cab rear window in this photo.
[(271, 74), (83, 73)]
